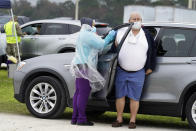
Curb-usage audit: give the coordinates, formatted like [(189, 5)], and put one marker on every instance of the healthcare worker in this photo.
[(84, 68)]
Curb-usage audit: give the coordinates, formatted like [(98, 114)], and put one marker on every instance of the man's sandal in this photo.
[(117, 124), (132, 125)]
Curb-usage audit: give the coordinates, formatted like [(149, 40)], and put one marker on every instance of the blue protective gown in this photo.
[(84, 64)]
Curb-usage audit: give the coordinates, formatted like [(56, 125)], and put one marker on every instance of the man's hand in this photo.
[(24, 33), (149, 71)]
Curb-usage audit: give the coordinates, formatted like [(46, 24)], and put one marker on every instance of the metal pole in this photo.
[(190, 2), (76, 9), (18, 51)]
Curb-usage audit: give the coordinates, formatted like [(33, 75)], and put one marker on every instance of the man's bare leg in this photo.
[(120, 104), (134, 106)]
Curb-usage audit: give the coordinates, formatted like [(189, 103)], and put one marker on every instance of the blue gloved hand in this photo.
[(112, 33), (110, 37)]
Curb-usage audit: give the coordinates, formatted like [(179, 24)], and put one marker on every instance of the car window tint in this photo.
[(175, 42), (29, 30), (193, 49), (56, 29), (32, 29), (74, 29)]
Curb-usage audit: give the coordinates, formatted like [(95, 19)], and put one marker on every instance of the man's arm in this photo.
[(19, 31), (153, 55)]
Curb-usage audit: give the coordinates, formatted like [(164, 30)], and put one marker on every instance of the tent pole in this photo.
[(17, 45)]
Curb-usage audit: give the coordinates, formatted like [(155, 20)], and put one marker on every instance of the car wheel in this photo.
[(191, 111), (45, 97)]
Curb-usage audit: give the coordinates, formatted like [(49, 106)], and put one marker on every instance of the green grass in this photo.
[(9, 105), (7, 102)]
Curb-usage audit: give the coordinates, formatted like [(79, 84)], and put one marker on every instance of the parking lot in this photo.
[(14, 122)]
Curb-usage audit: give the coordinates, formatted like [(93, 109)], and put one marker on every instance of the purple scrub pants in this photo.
[(80, 100)]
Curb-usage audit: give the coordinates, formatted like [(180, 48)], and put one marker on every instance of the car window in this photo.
[(74, 28), (193, 49), (55, 29), (175, 42), (30, 30), (33, 29)]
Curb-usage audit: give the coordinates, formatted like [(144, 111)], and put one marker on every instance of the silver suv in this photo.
[(55, 36), (46, 86)]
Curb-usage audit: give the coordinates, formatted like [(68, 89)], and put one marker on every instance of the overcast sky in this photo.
[(33, 2)]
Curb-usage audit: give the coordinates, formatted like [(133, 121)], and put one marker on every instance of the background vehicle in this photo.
[(46, 86), (21, 19), (55, 36)]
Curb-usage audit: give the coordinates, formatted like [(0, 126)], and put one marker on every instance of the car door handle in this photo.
[(33, 38), (62, 38)]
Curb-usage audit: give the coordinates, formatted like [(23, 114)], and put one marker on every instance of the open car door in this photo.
[(107, 67)]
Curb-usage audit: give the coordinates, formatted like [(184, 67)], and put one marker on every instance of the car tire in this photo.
[(45, 97), (191, 111)]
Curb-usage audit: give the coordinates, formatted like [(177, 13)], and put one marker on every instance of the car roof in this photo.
[(170, 24), (62, 21), (53, 21)]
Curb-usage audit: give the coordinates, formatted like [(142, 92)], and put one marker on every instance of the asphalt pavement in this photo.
[(16, 122)]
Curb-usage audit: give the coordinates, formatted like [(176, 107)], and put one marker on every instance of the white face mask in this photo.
[(137, 25)]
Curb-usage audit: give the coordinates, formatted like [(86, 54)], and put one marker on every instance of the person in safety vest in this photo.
[(11, 49)]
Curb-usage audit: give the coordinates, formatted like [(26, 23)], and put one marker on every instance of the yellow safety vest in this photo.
[(10, 35)]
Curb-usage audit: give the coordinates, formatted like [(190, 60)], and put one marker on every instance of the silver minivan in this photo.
[(46, 86)]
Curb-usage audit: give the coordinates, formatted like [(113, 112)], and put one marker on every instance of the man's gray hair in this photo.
[(135, 12)]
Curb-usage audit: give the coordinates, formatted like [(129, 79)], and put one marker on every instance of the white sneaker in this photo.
[(3, 65)]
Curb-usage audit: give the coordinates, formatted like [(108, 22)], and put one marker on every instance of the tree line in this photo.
[(110, 11)]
